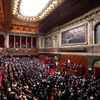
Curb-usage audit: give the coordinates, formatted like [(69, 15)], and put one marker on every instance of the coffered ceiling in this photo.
[(64, 12)]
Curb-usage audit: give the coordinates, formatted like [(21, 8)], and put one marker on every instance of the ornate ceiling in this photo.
[(32, 12), (66, 11)]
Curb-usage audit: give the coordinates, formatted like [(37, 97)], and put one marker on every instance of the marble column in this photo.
[(7, 41), (90, 32)]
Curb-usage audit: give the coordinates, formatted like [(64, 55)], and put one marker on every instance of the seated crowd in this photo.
[(27, 78)]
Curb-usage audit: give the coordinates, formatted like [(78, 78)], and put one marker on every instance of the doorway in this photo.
[(96, 68)]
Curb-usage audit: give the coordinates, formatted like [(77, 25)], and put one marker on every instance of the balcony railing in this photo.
[(17, 51)]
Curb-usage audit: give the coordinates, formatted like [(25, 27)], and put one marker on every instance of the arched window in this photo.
[(2, 40), (97, 34), (96, 67)]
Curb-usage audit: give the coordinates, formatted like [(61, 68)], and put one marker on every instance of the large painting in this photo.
[(74, 36), (48, 41)]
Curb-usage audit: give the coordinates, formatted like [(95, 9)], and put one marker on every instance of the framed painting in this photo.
[(48, 41), (76, 35)]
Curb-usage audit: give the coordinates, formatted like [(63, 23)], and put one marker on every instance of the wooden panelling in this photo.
[(83, 60)]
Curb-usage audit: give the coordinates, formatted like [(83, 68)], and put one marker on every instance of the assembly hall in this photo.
[(49, 49)]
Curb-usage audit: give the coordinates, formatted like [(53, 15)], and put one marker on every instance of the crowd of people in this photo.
[(27, 78)]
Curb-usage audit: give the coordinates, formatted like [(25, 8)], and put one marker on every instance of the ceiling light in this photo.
[(32, 7), (34, 10)]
